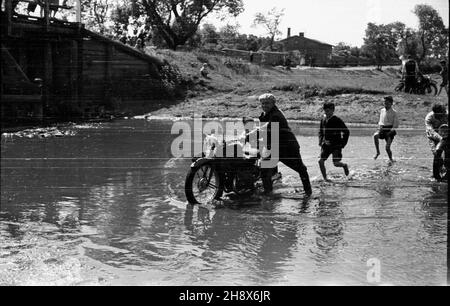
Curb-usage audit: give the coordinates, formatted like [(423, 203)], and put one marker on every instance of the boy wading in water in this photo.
[(386, 127), (333, 137)]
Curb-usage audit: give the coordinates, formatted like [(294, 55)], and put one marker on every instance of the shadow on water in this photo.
[(245, 238)]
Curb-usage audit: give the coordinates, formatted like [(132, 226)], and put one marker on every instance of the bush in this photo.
[(237, 66), (430, 66), (202, 58), (307, 91), (171, 80)]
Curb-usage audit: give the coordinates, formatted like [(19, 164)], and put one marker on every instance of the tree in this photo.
[(97, 15), (271, 21), (432, 32), (209, 34), (355, 51), (98, 12), (378, 43), (409, 44), (178, 20), (251, 43), (229, 35), (341, 49)]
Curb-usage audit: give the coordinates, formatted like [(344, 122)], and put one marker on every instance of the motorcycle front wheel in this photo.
[(203, 184), (431, 90), (399, 87)]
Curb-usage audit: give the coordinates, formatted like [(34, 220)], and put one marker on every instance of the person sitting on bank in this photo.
[(204, 70), (386, 127)]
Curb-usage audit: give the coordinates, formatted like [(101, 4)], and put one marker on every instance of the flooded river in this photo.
[(105, 205)]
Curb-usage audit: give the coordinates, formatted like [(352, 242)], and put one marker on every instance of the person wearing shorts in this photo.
[(386, 127)]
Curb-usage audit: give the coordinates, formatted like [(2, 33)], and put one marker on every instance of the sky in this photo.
[(332, 21)]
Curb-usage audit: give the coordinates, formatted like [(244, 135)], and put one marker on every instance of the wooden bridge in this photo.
[(52, 68)]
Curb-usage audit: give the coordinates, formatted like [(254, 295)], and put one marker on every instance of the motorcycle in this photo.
[(424, 85), (212, 174)]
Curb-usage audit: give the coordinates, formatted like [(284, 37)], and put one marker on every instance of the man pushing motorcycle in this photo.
[(410, 72), (289, 148)]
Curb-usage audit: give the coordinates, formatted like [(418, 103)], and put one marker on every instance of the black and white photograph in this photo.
[(239, 144)]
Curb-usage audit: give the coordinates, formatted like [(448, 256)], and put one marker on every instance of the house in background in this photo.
[(312, 52)]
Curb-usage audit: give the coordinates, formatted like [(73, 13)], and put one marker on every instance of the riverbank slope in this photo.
[(232, 87)]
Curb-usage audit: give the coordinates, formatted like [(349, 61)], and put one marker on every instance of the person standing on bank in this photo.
[(204, 70), (289, 148), (333, 137), (444, 75), (386, 127), (410, 70)]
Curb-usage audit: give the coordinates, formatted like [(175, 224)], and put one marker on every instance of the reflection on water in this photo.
[(107, 206)]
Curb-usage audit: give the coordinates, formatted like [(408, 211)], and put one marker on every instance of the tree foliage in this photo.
[(96, 14), (433, 34), (409, 44), (271, 21), (209, 34), (378, 43), (342, 49), (178, 20)]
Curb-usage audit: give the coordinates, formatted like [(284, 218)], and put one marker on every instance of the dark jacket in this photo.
[(333, 130), (410, 67), (287, 139)]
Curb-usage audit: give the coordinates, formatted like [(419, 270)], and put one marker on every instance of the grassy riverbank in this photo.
[(232, 88)]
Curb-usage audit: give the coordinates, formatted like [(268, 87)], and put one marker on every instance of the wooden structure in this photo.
[(57, 69)]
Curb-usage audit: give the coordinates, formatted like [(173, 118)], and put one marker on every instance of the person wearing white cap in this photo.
[(289, 149)]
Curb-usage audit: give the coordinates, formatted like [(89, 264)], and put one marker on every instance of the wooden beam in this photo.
[(9, 12), (10, 60), (67, 29), (125, 48), (74, 70), (108, 72), (80, 73), (78, 13), (47, 14), (21, 98), (48, 73), (23, 60)]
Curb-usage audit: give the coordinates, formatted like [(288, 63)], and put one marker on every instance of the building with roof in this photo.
[(312, 52)]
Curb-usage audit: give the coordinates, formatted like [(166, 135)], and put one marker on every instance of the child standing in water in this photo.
[(333, 137), (386, 127)]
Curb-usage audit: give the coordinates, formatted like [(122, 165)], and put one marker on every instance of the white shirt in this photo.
[(389, 118)]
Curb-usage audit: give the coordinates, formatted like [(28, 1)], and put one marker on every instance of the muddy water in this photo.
[(106, 206)]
